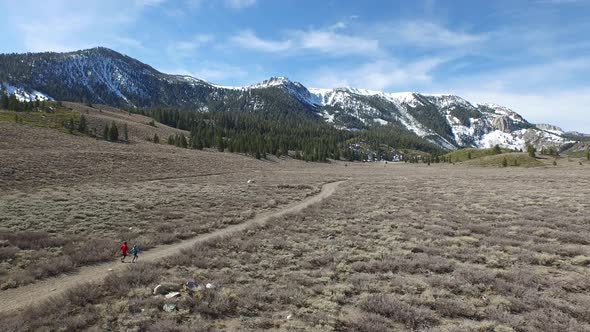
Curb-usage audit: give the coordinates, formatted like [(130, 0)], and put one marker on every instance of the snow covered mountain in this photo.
[(101, 75)]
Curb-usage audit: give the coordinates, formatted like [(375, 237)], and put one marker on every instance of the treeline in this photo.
[(280, 133), (255, 133)]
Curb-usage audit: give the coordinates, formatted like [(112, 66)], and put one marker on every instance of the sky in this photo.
[(532, 56)]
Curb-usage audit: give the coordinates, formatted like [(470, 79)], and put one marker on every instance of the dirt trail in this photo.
[(18, 298)]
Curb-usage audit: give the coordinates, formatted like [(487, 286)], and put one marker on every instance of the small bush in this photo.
[(92, 251), (140, 275), (51, 267), (7, 253), (217, 304), (28, 240), (411, 316)]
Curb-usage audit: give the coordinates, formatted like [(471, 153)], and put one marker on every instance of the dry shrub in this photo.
[(7, 253), (138, 275), (216, 304), (296, 186), (456, 308), (92, 251), (28, 240), (169, 325), (363, 322), (51, 267), (73, 311), (389, 306)]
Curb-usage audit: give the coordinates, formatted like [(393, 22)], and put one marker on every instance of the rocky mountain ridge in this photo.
[(101, 75)]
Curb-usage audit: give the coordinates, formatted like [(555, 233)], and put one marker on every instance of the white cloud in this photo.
[(213, 72), (188, 47), (383, 75), (542, 93), (566, 109), (129, 42), (335, 43), (248, 39), (324, 41), (68, 26), (239, 4), (152, 3), (37, 37), (427, 34)]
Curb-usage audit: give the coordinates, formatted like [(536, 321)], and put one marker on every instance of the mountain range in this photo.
[(101, 75)]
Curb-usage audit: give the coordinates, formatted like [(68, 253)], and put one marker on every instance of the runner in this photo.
[(124, 249), (134, 252)]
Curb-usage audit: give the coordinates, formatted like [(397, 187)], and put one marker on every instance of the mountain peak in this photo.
[(274, 81)]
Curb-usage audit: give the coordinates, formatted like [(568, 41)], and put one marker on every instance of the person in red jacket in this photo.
[(124, 249)]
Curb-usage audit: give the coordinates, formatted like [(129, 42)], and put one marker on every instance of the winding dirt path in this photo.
[(14, 299)]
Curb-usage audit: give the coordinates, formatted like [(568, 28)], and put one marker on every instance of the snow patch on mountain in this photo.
[(550, 128), (24, 94)]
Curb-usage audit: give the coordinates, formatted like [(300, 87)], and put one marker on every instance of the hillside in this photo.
[(101, 75)]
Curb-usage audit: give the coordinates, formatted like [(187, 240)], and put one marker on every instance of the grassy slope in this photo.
[(40, 119), (463, 154), (514, 159)]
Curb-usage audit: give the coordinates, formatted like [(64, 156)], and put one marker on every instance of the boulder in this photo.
[(191, 286), (209, 286), (251, 181), (169, 307)]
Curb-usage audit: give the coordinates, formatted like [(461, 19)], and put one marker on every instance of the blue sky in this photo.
[(533, 56)]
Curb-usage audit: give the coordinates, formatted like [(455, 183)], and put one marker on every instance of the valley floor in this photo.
[(396, 247)]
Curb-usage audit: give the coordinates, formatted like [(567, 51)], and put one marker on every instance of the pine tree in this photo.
[(497, 149), (531, 151), (182, 141), (82, 125), (113, 132), (105, 132), (125, 132), (156, 139), (504, 162), (588, 155), (4, 101), (469, 155), (71, 126), (219, 143)]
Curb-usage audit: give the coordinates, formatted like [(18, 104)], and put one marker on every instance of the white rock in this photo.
[(169, 307), (172, 294), (209, 286)]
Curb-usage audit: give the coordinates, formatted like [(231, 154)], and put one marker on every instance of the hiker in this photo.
[(124, 249), (134, 252)]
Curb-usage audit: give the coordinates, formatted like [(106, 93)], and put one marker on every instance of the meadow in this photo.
[(440, 247)]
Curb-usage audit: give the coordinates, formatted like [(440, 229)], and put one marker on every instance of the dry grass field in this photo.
[(397, 247), (67, 200)]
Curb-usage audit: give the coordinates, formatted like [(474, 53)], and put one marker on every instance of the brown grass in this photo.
[(68, 200), (397, 247)]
